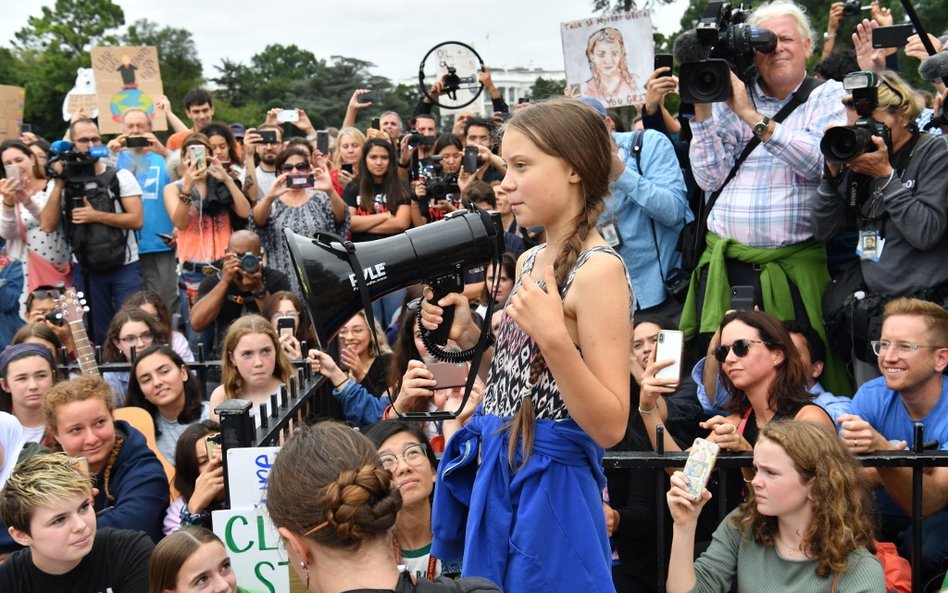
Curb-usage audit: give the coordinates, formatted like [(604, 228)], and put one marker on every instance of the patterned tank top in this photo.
[(514, 352)]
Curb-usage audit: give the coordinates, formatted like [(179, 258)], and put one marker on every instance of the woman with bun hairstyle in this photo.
[(334, 506)]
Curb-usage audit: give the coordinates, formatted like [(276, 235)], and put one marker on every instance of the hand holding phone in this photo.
[(369, 97), (700, 463), (664, 61), (288, 116), (322, 142), (198, 155), (469, 161), (669, 347), (448, 375)]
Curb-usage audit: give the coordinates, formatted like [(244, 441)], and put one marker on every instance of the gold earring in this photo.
[(305, 568)]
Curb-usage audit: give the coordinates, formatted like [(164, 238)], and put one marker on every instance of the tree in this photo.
[(50, 49), (545, 89), (177, 56)]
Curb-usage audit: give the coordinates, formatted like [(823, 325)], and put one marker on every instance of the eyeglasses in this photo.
[(297, 166), (902, 348), (354, 332), (93, 140), (413, 455), (145, 338), (43, 294), (740, 348)]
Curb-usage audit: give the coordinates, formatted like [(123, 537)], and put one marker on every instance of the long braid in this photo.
[(116, 449), (523, 423)]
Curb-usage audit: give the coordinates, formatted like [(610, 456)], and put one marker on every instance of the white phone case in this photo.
[(669, 347)]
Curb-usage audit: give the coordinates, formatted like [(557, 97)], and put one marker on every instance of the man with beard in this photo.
[(260, 176)]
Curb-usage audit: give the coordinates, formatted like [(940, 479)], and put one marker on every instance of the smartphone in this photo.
[(664, 61), (448, 374), (289, 116), (699, 465), (346, 167), (523, 100), (376, 123), (166, 238), (298, 181), (212, 443), (322, 142), (369, 97), (11, 172), (742, 298), (137, 142), (26, 129), (286, 325), (892, 36), (669, 347), (198, 155), (268, 136), (469, 162)]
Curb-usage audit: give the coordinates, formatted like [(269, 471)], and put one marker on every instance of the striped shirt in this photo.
[(767, 204)]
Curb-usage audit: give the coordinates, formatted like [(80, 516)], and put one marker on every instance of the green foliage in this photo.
[(545, 89), (177, 56)]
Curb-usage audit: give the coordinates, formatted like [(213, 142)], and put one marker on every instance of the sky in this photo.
[(394, 35)]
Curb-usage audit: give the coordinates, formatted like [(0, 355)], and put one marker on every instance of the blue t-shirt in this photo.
[(883, 409), (149, 169)]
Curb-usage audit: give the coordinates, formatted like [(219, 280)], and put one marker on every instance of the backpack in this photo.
[(443, 584), (98, 247)]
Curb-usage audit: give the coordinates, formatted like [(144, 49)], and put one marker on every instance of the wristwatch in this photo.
[(760, 128), (260, 293), (827, 36)]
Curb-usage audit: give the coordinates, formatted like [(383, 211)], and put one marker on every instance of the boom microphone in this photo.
[(934, 67), (688, 48)]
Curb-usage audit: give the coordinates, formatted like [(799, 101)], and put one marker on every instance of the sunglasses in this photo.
[(298, 166), (47, 293), (740, 348)]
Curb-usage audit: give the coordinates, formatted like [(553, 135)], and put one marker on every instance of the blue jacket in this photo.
[(537, 529), (658, 195), (138, 485), (360, 407)]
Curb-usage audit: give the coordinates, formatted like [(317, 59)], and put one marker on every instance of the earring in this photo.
[(305, 568), (775, 362)]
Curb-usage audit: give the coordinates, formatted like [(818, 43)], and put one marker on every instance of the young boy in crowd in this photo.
[(47, 504)]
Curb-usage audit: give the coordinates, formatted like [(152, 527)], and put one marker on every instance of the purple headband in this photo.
[(17, 351)]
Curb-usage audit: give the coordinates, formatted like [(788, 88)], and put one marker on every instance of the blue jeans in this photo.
[(106, 293), (188, 283)]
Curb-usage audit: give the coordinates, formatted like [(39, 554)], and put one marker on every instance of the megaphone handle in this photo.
[(440, 288)]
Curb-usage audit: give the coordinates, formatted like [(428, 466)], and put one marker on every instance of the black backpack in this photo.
[(443, 584), (98, 247)]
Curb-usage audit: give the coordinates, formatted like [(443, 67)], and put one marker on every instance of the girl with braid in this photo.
[(519, 495), (132, 486)]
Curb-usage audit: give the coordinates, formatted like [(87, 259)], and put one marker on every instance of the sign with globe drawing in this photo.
[(126, 78)]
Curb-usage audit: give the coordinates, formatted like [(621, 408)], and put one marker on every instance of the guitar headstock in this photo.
[(72, 305)]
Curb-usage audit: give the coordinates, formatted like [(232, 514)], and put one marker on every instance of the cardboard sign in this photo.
[(11, 110), (609, 57), (126, 78)]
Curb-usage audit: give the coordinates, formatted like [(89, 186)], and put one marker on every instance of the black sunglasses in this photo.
[(298, 166), (47, 293), (740, 348)]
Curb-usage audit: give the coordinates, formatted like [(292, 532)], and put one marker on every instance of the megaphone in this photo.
[(436, 251)]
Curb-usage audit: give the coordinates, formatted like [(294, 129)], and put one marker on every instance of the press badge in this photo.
[(870, 245), (610, 234)]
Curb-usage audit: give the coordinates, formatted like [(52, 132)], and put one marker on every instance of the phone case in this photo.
[(742, 298), (699, 465), (448, 374), (892, 36), (669, 346)]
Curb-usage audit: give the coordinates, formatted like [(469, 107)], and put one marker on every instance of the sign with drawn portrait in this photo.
[(609, 57), (126, 78)]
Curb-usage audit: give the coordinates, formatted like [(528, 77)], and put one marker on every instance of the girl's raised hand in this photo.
[(682, 505)]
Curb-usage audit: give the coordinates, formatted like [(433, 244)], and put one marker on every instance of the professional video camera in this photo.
[(438, 184), (721, 42), (77, 168), (417, 139), (841, 144)]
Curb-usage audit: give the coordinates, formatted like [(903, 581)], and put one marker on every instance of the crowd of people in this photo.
[(812, 314)]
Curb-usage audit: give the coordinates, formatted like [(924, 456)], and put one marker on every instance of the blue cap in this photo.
[(595, 104)]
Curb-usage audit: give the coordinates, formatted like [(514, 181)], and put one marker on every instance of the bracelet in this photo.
[(343, 382), (403, 166), (8, 205), (651, 411), (888, 181)]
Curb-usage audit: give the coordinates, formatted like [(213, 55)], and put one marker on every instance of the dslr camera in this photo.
[(249, 262), (729, 44), (416, 139), (841, 144), (853, 7), (438, 184)]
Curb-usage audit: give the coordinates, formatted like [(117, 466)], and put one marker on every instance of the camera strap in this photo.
[(799, 97)]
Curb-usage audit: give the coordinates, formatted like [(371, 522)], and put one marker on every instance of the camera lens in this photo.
[(708, 81), (844, 143), (661, 337), (249, 263)]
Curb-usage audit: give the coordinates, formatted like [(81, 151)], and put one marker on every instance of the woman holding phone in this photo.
[(206, 207), (301, 199), (346, 157), (806, 525)]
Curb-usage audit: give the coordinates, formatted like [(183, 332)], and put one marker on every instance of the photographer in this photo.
[(438, 187), (899, 209), (480, 133), (99, 214), (242, 286), (762, 212), (417, 144)]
